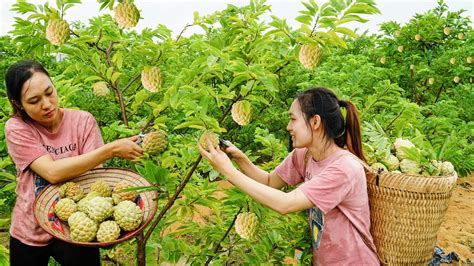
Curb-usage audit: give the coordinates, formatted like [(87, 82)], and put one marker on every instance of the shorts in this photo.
[(64, 253)]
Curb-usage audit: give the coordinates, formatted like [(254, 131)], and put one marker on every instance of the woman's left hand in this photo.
[(218, 159)]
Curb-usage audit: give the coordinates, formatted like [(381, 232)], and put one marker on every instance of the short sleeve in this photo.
[(23, 144), (92, 139), (291, 170), (328, 188)]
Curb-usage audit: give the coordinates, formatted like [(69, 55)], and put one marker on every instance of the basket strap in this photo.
[(365, 239)]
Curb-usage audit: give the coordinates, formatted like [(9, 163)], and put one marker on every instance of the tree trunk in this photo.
[(141, 245)]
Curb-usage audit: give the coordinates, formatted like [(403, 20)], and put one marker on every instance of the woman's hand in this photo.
[(218, 159), (127, 148), (233, 152)]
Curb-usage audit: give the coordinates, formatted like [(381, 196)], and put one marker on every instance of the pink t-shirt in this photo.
[(336, 186), (78, 133)]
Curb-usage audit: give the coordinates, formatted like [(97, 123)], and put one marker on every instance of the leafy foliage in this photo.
[(241, 56)]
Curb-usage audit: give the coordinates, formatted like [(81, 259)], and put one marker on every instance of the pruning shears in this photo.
[(139, 141), (224, 144)]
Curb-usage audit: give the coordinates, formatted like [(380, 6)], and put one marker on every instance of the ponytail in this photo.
[(352, 135)]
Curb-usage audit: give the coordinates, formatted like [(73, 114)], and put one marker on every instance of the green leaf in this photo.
[(118, 59), (305, 19), (8, 176), (194, 122), (349, 18), (92, 78), (153, 172), (239, 79), (9, 187), (115, 76), (360, 8), (337, 39), (109, 73), (346, 31), (310, 8), (196, 17)]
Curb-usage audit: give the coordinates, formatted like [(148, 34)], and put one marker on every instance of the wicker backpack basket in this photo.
[(406, 212)]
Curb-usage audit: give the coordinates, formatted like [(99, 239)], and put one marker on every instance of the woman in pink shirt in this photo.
[(333, 188), (49, 145)]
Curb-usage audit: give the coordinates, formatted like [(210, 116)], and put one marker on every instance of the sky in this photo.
[(175, 14)]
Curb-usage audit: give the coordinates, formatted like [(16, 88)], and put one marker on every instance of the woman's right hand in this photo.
[(233, 152), (127, 148)]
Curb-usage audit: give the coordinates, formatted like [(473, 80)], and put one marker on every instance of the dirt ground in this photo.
[(457, 230)]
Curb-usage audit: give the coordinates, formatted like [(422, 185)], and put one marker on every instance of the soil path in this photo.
[(457, 229)]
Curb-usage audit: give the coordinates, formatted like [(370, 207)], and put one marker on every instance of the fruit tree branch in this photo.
[(218, 246), (314, 27), (171, 202), (439, 93), (131, 82), (183, 30)]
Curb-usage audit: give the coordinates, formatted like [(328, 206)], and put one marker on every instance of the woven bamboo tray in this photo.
[(46, 200), (406, 213)]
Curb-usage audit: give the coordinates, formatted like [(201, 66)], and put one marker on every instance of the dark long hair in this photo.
[(17, 74), (323, 102)]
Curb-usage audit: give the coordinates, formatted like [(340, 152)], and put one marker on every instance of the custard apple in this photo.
[(434, 167), (83, 230), (391, 162), (152, 79), (409, 167), (71, 190), (118, 195), (102, 188), (155, 142), (82, 204), (447, 31), (310, 55), (379, 167), (447, 168), (128, 215), (64, 208), (212, 137), (99, 209), (126, 15), (57, 31), (75, 217), (369, 153), (100, 89), (108, 231), (110, 199), (246, 225), (400, 146), (241, 112)]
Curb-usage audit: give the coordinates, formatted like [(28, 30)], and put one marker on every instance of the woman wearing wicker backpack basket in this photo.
[(49, 144), (334, 183)]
